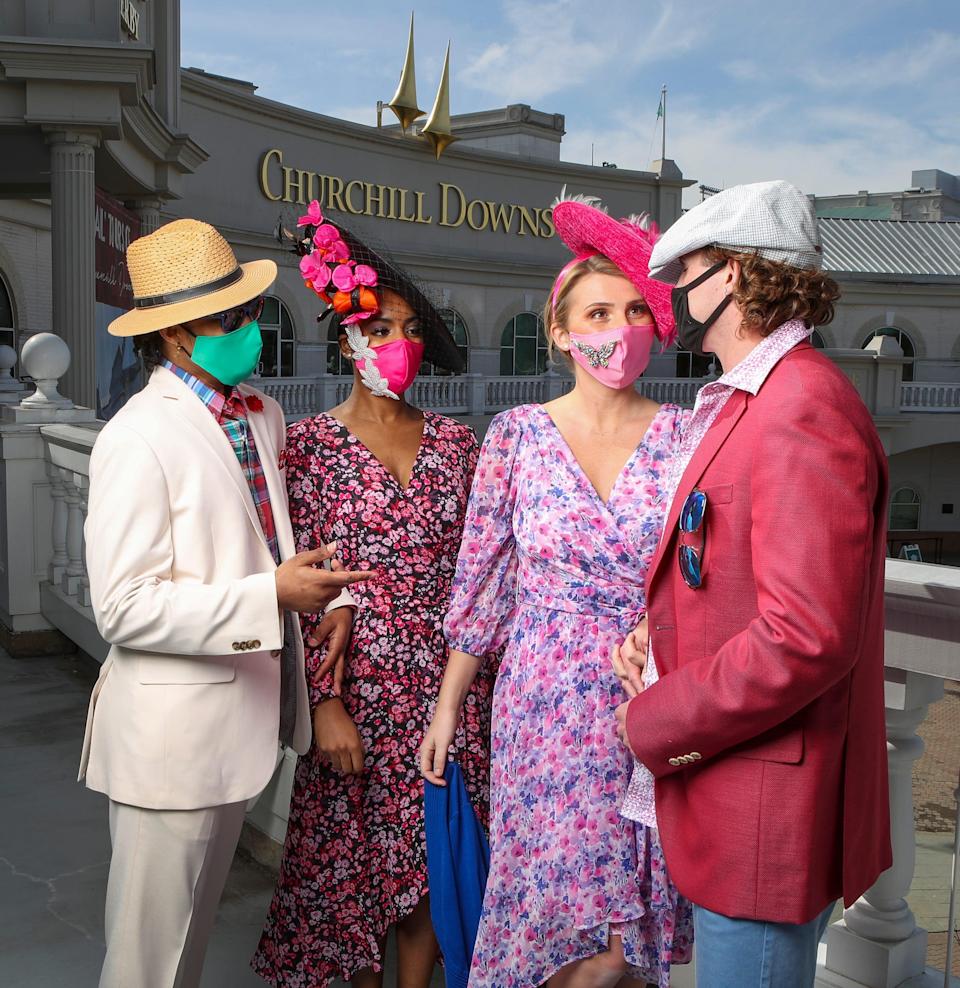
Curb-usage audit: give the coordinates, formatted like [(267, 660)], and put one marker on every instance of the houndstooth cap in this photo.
[(773, 218)]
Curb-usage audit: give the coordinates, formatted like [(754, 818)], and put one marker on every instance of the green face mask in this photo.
[(231, 358)]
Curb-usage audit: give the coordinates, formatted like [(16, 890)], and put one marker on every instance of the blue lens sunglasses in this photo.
[(692, 516)]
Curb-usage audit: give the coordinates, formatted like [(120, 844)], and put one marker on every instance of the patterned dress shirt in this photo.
[(230, 411)]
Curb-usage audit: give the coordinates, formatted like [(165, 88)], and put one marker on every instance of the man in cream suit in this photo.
[(196, 585)]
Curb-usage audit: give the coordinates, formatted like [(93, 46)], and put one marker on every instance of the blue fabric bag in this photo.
[(458, 859)]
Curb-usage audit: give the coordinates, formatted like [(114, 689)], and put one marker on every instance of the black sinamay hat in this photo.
[(440, 346)]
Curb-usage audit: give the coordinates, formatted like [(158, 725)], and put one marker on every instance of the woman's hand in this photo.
[(337, 738), (334, 631), (629, 659), (437, 742)]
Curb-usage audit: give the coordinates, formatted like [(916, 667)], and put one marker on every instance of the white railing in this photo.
[(501, 393), (917, 396), (65, 594), (450, 395), (674, 391)]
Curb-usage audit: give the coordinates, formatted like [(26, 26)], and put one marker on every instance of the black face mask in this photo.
[(690, 331)]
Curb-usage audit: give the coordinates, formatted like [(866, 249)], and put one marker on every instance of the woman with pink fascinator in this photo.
[(565, 514)]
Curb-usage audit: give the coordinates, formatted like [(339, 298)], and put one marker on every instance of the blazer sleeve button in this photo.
[(674, 761), (236, 646), (255, 643), (696, 756)]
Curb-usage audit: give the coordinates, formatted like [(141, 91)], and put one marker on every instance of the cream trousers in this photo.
[(167, 873)]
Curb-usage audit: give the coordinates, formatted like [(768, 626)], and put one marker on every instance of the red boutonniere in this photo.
[(254, 403)]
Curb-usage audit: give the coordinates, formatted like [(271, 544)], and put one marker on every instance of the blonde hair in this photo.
[(557, 309)]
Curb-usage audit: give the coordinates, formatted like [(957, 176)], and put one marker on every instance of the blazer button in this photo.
[(696, 756), (237, 646), (255, 643), (275, 654), (674, 761)]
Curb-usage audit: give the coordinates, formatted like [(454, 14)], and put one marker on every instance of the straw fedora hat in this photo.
[(183, 271)]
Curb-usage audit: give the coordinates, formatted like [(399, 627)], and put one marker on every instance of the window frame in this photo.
[(540, 345)]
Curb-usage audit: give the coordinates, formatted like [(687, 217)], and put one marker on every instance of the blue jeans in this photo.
[(746, 953)]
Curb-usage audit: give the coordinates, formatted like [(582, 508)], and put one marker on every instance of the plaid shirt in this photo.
[(230, 411)]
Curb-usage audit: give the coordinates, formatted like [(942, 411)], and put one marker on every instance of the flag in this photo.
[(660, 108)]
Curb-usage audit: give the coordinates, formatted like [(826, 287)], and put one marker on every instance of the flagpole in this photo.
[(663, 102)]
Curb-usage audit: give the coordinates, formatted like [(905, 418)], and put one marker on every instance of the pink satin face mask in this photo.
[(397, 362), (615, 357)]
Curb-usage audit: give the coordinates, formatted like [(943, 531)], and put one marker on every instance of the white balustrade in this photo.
[(918, 396), (58, 563)]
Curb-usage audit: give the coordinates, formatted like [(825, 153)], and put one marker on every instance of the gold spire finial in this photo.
[(404, 102), (437, 128)]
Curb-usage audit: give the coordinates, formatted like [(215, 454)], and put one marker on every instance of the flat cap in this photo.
[(775, 219)]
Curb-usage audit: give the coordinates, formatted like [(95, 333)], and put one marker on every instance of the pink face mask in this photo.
[(394, 368), (615, 357)]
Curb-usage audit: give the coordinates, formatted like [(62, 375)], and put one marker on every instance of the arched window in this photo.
[(458, 330), (8, 333), (279, 343), (905, 510), (906, 344), (337, 363), (523, 347), (817, 340), (692, 364)]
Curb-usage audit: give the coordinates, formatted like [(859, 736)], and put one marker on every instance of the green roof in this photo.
[(855, 212)]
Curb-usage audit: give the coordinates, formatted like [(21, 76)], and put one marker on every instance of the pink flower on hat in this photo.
[(346, 278), (314, 216), (316, 273), (329, 244)]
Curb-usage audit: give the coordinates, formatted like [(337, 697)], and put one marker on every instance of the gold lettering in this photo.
[(420, 217), (444, 207), (498, 215), (303, 184), (335, 193), (531, 220), (393, 190), (486, 215), (369, 198), (264, 162), (403, 208), (547, 216), (348, 192)]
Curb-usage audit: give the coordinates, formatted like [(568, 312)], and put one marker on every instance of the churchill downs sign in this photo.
[(450, 207)]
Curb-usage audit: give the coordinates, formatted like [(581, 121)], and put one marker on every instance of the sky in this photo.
[(833, 96)]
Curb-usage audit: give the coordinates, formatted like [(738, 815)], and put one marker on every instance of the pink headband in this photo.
[(563, 273)]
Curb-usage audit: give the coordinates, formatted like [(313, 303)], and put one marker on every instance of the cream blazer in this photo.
[(185, 712)]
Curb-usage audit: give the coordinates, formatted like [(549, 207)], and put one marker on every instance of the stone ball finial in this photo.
[(45, 358), (8, 359)]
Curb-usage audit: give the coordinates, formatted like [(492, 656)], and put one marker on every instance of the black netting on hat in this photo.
[(440, 348)]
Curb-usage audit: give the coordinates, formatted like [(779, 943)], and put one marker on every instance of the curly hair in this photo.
[(149, 348), (770, 293), (557, 308)]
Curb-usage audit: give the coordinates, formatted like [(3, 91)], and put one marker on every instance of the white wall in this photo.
[(26, 264)]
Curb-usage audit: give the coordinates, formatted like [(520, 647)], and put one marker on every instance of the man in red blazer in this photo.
[(765, 731)]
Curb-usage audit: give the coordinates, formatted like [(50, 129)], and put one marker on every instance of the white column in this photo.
[(58, 562), (70, 581), (73, 257), (148, 212), (878, 942)]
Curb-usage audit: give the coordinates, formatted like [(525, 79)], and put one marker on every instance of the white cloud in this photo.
[(554, 46)]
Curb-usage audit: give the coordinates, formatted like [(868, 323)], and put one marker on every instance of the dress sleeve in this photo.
[(483, 600), (305, 492)]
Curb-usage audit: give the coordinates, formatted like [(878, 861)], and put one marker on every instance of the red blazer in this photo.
[(766, 730)]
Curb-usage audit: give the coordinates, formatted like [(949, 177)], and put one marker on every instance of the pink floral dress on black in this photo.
[(354, 862)]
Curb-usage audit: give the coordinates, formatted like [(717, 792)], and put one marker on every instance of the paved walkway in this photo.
[(54, 841)]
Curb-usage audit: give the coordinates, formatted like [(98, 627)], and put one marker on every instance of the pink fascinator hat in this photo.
[(587, 229)]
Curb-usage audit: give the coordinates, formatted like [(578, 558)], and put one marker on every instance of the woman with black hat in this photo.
[(389, 484)]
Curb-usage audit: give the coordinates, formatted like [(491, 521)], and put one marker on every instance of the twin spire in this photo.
[(404, 103)]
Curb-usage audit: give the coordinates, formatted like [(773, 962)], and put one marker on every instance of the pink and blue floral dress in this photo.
[(549, 571)]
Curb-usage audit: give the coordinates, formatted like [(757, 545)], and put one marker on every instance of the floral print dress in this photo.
[(557, 576), (354, 861)]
